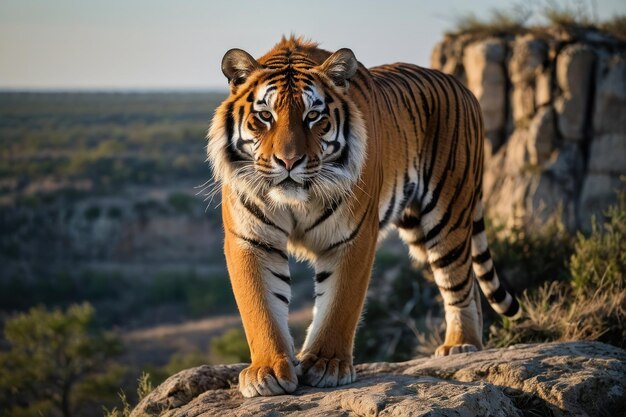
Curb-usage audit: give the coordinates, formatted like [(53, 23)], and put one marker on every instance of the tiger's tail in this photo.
[(501, 300)]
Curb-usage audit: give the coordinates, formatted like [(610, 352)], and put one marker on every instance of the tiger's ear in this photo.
[(340, 66), (237, 65)]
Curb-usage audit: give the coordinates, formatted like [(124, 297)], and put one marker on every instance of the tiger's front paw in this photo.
[(276, 379), (325, 372), (445, 350)]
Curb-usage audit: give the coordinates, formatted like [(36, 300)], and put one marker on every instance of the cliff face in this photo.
[(138, 228), (554, 104), (556, 379)]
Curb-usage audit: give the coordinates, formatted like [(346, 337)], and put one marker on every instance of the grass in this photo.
[(398, 301), (600, 258), (523, 17), (525, 256), (500, 22), (572, 289), (109, 139), (590, 304), (144, 387), (569, 13), (231, 347), (615, 26), (556, 313)]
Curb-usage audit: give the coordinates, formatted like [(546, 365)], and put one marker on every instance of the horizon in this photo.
[(113, 90), (148, 45)]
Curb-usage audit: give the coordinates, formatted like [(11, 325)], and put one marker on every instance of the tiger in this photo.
[(317, 158)]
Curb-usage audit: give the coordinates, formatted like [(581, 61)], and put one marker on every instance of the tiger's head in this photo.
[(288, 132)]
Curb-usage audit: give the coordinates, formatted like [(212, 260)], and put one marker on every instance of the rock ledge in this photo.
[(555, 379)]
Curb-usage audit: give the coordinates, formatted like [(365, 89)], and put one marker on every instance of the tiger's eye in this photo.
[(265, 115), (312, 115)]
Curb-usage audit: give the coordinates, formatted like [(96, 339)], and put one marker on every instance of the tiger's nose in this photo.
[(288, 163)]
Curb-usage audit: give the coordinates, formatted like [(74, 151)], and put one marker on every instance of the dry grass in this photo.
[(616, 26), (573, 13), (590, 304), (555, 313), (522, 17), (144, 387), (500, 22)]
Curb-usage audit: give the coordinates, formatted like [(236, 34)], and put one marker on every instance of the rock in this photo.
[(598, 192), (484, 69), (527, 60), (566, 166), (517, 158), (523, 104), (574, 72), (610, 95), (526, 63), (437, 57), (570, 378), (547, 199), (562, 120), (607, 154), (541, 136), (543, 89)]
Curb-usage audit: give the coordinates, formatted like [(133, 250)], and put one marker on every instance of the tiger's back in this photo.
[(431, 132)]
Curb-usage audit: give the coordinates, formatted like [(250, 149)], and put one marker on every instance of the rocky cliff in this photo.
[(555, 379), (554, 103)]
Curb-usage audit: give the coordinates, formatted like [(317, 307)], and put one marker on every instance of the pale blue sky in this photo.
[(146, 44)]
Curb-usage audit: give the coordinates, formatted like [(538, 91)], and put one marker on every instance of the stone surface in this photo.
[(610, 100), (526, 63), (523, 103), (574, 74), (607, 154), (559, 379), (541, 136), (543, 88), (557, 147), (527, 60), (484, 70), (598, 191)]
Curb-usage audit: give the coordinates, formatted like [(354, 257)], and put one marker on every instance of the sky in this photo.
[(167, 44)]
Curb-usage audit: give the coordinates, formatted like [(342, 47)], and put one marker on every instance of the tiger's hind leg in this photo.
[(451, 264), (449, 256), (410, 231)]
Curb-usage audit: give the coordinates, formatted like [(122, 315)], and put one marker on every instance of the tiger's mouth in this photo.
[(289, 183), (289, 191)]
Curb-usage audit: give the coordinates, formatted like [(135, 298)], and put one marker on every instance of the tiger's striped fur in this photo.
[(317, 157)]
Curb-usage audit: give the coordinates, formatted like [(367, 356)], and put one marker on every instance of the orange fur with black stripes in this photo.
[(317, 156)]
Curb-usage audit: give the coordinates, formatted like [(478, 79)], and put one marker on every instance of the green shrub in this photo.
[(55, 360), (114, 212), (522, 17), (616, 26), (182, 203), (499, 22), (199, 294), (556, 313), (600, 258), (92, 213), (590, 304), (577, 13), (231, 347), (177, 362), (526, 257), (144, 387), (181, 361), (393, 317)]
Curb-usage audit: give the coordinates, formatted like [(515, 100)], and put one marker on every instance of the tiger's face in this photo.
[(288, 132)]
